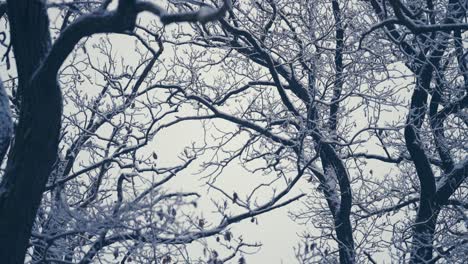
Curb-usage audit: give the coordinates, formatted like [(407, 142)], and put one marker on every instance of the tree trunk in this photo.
[(344, 233), (423, 233), (6, 129), (35, 145), (341, 214)]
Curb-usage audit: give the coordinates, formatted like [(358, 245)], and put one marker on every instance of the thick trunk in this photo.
[(344, 233), (423, 233), (29, 166), (426, 218), (424, 227), (35, 148), (341, 212)]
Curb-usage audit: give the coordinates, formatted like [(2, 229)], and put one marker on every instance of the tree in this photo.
[(288, 102), (36, 139), (432, 34), (7, 123), (355, 109), (109, 195), (291, 68)]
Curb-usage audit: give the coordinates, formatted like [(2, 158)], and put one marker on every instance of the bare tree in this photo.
[(283, 86), (430, 38), (355, 109), (36, 138), (273, 84)]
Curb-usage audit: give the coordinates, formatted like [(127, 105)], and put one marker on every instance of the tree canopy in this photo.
[(150, 131)]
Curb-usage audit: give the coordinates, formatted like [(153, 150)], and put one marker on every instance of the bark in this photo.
[(341, 212), (428, 211), (343, 227), (338, 84), (6, 123), (34, 150), (423, 232), (426, 216)]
